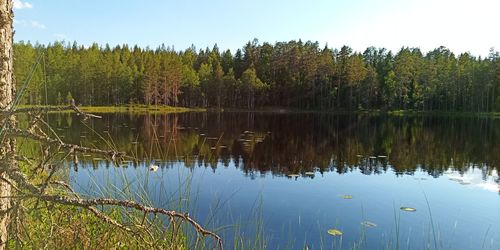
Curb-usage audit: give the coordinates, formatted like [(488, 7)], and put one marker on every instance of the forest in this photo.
[(294, 75)]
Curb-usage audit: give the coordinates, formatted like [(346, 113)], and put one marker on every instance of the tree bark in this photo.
[(7, 89)]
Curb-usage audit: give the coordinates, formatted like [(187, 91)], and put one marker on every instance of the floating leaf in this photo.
[(408, 209), (368, 224), (346, 196), (334, 232)]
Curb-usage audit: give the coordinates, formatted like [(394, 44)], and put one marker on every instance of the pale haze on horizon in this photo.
[(462, 26)]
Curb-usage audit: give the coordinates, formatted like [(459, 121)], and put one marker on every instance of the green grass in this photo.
[(126, 109), (162, 109), (367, 112), (443, 113)]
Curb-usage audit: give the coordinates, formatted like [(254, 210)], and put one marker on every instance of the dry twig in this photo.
[(26, 189)]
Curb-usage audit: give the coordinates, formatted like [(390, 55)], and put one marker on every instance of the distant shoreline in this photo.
[(170, 109), (124, 109)]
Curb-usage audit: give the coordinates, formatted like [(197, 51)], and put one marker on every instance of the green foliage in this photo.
[(293, 74), (69, 97)]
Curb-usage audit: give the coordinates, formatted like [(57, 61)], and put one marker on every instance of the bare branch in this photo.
[(47, 140), (26, 189), (85, 203), (71, 106)]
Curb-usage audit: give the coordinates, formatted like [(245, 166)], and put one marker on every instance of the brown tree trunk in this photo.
[(7, 89)]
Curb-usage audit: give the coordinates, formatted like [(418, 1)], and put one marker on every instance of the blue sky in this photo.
[(460, 25)]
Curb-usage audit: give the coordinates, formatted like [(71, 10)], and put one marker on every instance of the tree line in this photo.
[(294, 74)]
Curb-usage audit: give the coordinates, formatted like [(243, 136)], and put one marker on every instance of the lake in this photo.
[(282, 180)]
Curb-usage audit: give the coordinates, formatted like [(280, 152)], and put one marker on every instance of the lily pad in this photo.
[(346, 196), (334, 232), (408, 209), (368, 224)]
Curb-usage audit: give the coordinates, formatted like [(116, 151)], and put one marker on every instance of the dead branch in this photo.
[(85, 203), (71, 106), (12, 132), (25, 189)]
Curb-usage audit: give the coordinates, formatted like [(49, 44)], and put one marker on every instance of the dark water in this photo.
[(284, 178)]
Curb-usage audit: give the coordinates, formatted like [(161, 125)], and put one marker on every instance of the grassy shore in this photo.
[(128, 109), (368, 112), (170, 109), (443, 113), (139, 108)]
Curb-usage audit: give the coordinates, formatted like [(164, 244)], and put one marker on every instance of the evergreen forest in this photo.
[(294, 75)]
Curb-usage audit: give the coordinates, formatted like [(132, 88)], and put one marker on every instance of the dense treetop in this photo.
[(292, 74)]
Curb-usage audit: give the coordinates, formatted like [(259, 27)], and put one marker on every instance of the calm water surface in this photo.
[(284, 178)]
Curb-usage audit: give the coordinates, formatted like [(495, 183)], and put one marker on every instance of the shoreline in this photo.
[(171, 109), (124, 109)]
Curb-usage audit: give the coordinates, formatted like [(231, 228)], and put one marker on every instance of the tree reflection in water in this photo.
[(295, 143)]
